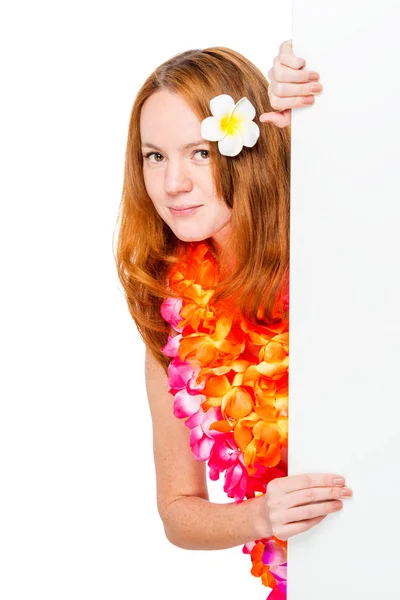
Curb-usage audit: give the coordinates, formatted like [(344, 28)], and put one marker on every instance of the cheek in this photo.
[(151, 185), (226, 213)]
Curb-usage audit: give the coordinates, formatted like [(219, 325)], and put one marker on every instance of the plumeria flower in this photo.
[(231, 125)]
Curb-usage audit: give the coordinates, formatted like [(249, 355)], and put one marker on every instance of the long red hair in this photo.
[(255, 184)]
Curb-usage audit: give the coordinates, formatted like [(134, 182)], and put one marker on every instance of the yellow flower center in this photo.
[(229, 125)]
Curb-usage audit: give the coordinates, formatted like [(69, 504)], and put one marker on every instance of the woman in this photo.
[(203, 255)]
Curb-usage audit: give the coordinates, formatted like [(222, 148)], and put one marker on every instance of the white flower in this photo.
[(231, 125)]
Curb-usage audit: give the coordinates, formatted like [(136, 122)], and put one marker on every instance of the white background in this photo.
[(345, 292), (78, 515)]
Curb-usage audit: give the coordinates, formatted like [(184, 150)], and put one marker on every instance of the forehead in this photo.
[(166, 116)]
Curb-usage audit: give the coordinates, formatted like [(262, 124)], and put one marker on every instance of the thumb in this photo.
[(280, 119)]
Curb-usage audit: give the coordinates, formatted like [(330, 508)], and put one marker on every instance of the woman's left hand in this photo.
[(290, 86)]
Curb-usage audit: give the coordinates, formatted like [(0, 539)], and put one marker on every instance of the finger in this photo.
[(311, 495), (286, 46), (294, 528), (280, 104), (302, 481), (291, 90), (285, 73), (280, 119), (310, 511), (288, 57)]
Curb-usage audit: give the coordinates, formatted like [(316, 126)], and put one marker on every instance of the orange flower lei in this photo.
[(230, 378)]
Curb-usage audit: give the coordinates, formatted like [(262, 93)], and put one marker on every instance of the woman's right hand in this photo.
[(296, 503)]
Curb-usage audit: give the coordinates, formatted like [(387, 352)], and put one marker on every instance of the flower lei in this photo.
[(229, 379)]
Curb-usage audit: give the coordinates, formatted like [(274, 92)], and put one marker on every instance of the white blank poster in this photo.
[(345, 294)]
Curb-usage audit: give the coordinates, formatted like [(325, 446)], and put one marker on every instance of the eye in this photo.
[(204, 157), (150, 154)]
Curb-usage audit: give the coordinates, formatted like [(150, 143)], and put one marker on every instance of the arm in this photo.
[(190, 520)]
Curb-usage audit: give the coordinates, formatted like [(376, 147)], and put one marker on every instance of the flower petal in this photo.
[(244, 109), (185, 404), (250, 132), (179, 372), (195, 419), (171, 347), (274, 554), (202, 449), (231, 145), (247, 548), (196, 433), (170, 309), (211, 129), (222, 105), (192, 386)]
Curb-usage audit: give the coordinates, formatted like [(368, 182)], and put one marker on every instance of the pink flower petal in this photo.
[(170, 309), (185, 404), (286, 301), (273, 554), (202, 449), (233, 475), (224, 452), (211, 416), (213, 473), (277, 594), (247, 548), (192, 385), (179, 372), (171, 347), (195, 435), (236, 481), (195, 419)]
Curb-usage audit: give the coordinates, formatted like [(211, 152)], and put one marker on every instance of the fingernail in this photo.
[(313, 76), (338, 481)]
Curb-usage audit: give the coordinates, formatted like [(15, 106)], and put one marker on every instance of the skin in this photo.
[(290, 86), (176, 176)]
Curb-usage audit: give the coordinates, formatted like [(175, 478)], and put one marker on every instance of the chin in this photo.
[(191, 237)]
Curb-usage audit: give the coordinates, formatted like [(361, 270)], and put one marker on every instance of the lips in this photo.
[(177, 208), (183, 211)]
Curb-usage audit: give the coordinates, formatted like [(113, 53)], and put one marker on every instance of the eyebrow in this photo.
[(184, 147)]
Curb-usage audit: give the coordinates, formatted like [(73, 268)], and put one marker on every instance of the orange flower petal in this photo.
[(269, 455), (257, 551), (197, 348), (237, 403), (266, 412), (223, 327), (267, 432), (223, 426), (242, 435), (216, 386), (268, 579), (211, 402)]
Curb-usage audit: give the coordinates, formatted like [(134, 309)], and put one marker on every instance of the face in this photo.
[(177, 170)]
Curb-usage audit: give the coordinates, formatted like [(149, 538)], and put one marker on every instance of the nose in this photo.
[(177, 179)]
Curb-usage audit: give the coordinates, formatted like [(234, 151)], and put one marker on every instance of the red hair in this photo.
[(255, 184)]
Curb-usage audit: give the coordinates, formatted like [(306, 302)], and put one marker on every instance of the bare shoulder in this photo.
[(178, 472)]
